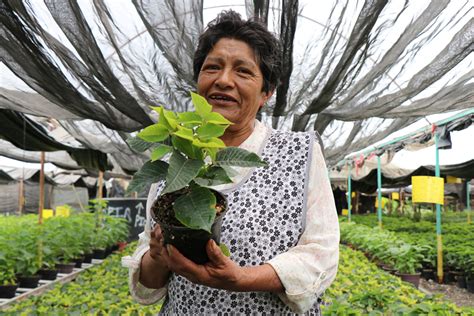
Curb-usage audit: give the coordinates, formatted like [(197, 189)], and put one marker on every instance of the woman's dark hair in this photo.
[(229, 24)]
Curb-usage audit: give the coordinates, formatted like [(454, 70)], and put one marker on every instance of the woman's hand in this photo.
[(223, 273), (220, 272), (157, 248), (154, 272)]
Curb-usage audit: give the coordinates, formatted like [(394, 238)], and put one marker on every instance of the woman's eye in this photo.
[(244, 71), (211, 67)]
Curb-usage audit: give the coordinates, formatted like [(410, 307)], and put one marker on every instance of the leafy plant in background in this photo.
[(198, 159), (7, 272)]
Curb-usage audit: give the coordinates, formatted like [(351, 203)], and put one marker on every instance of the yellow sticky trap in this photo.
[(395, 196), (450, 179), (47, 213), (427, 189), (353, 194), (62, 211), (384, 201), (345, 212)]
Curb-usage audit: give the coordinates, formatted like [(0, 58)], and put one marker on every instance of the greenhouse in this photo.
[(102, 105)]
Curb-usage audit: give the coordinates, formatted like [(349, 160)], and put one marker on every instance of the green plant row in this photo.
[(386, 247), (99, 290), (458, 238), (26, 246), (360, 288)]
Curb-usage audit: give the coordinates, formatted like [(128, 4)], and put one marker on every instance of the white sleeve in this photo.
[(308, 269), (140, 293)]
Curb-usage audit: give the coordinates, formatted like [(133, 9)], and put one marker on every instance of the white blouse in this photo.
[(305, 270)]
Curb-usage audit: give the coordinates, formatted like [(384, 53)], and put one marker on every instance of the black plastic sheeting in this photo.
[(368, 184), (28, 135), (346, 81)]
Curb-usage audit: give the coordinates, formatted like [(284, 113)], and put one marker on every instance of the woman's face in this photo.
[(231, 81)]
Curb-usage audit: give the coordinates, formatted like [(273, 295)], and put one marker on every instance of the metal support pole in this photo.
[(379, 192), (349, 193), (21, 196), (468, 201), (100, 184), (41, 197), (438, 220)]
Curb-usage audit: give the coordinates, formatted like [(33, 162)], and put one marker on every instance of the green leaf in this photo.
[(211, 143), (231, 172), (214, 176), (234, 156), (166, 118), (189, 118), (154, 133), (181, 171), (200, 104), (224, 249), (185, 133), (209, 130), (149, 173), (196, 209), (183, 145), (170, 118), (216, 118), (137, 144), (160, 151)]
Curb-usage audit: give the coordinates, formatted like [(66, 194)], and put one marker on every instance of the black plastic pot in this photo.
[(99, 254), (78, 262), (87, 258), (428, 274), (8, 291), (461, 281), (470, 284), (65, 268), (410, 278), (30, 281), (389, 269), (191, 242), (48, 274)]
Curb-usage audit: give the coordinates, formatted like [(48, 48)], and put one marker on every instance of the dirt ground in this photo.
[(461, 297)]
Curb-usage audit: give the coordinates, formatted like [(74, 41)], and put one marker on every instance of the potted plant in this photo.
[(188, 211), (408, 262), (8, 283)]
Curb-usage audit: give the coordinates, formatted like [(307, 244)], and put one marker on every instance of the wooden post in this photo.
[(41, 197), (100, 184), (356, 204), (21, 196), (401, 197)]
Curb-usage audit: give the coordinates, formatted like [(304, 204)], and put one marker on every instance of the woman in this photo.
[(281, 226)]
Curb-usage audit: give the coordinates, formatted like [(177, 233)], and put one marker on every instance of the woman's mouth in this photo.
[(221, 99)]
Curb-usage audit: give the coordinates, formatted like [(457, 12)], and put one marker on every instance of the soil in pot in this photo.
[(190, 242), (65, 267), (8, 291), (48, 274), (30, 281), (410, 278)]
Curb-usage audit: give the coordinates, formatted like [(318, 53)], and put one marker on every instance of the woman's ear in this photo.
[(266, 96)]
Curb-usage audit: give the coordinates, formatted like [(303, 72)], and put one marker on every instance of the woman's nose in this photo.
[(224, 79)]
